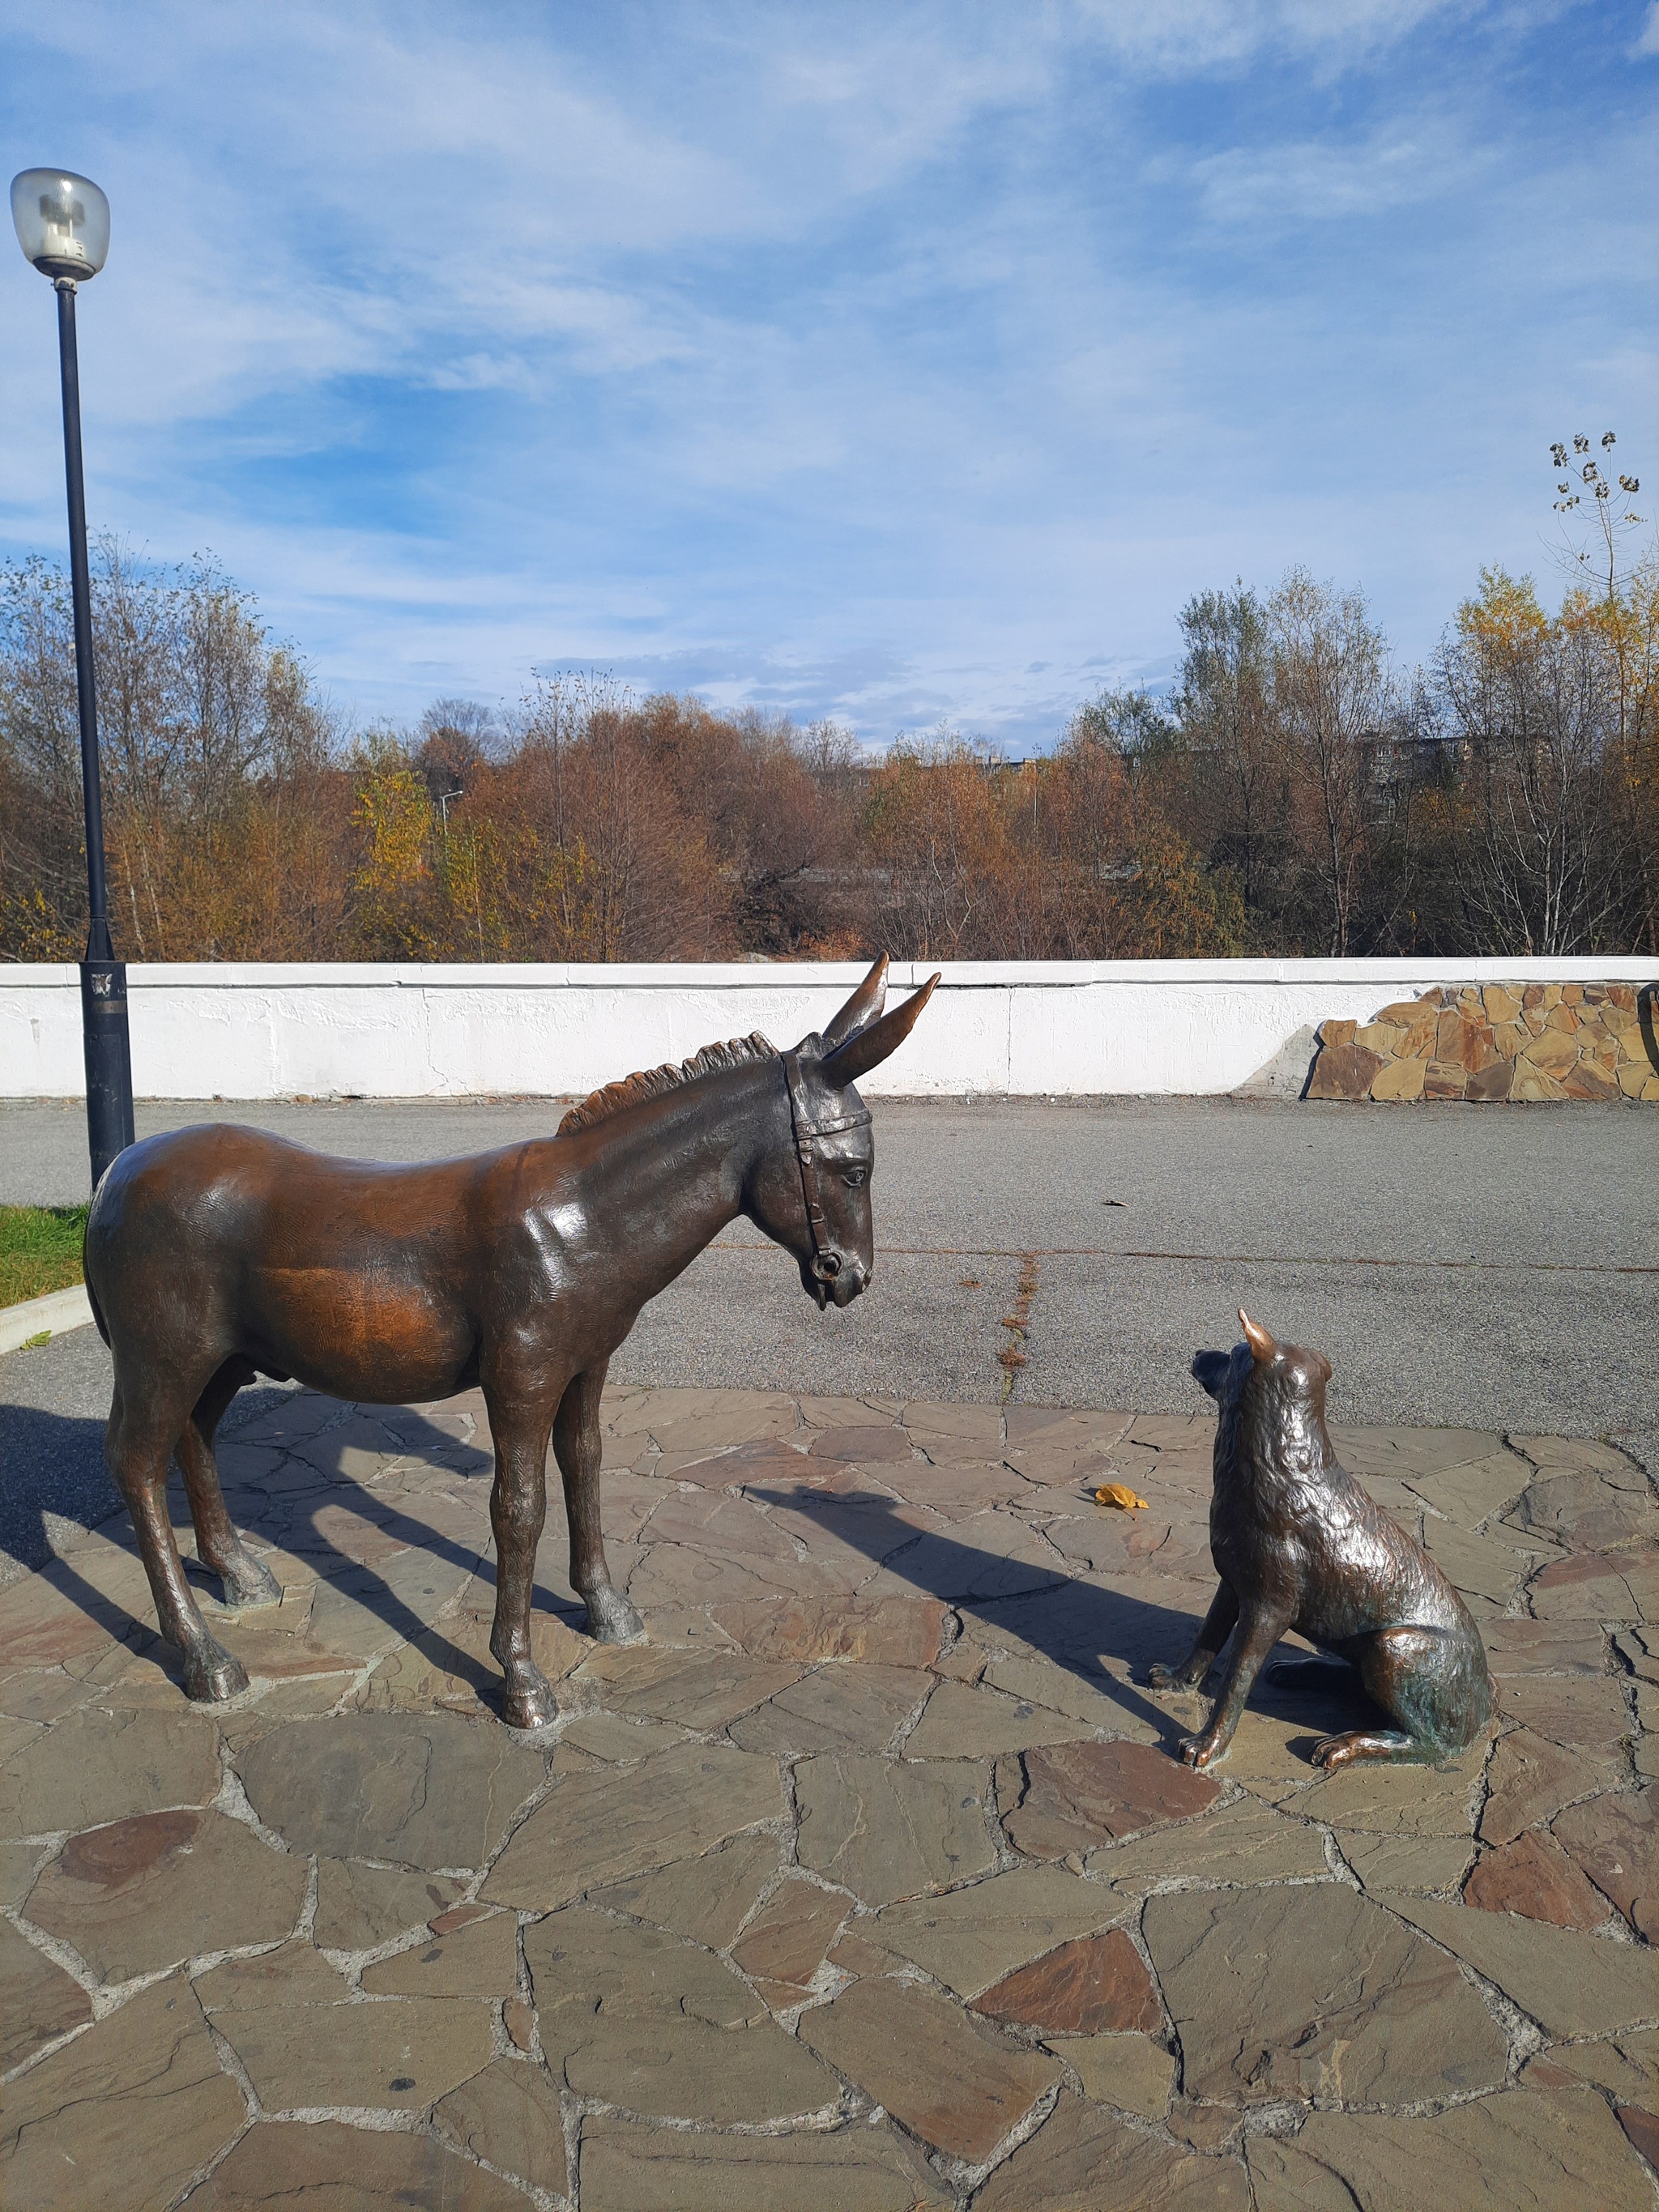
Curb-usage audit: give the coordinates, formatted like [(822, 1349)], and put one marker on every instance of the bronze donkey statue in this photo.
[(215, 1255), (1298, 1544)]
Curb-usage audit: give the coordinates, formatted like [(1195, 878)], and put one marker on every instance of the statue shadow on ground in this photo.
[(50, 1461), (1069, 1619)]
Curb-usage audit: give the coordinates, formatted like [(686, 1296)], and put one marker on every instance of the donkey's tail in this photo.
[(91, 1295)]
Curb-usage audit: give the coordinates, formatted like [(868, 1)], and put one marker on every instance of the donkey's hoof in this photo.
[(530, 1704), (212, 1675), (610, 1619), (248, 1582)]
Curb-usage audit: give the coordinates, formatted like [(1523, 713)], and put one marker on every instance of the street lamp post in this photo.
[(62, 226)]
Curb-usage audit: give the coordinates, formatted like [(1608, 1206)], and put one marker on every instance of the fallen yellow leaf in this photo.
[(1118, 1494)]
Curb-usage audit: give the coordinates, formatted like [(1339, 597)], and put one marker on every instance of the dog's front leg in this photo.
[(1258, 1632), (1218, 1627)]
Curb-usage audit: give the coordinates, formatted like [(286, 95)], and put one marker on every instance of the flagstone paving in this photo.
[(866, 1882)]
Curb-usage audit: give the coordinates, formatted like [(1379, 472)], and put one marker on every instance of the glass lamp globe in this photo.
[(63, 222)]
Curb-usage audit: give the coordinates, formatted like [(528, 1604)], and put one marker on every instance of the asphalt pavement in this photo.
[(1472, 1267)]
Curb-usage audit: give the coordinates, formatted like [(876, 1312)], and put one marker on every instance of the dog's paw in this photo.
[(1167, 1678), (1198, 1751)]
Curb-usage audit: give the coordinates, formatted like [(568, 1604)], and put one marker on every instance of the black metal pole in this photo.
[(103, 977)]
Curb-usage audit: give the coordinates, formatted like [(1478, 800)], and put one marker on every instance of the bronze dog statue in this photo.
[(215, 1255), (1298, 1544)]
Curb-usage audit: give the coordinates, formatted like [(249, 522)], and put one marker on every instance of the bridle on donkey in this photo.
[(826, 1260)]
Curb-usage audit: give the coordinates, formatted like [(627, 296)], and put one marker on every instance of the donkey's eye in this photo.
[(855, 1178)]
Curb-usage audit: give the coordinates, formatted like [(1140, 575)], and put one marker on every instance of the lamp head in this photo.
[(63, 222)]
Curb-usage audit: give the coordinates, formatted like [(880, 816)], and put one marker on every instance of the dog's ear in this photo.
[(1262, 1347), (1210, 1368)]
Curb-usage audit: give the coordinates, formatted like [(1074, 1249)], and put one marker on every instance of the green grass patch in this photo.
[(39, 1251)]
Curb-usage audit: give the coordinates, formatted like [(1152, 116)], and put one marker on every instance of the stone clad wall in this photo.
[(1519, 1042)]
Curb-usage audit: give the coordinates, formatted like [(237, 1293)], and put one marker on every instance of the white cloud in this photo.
[(1299, 182), (872, 360)]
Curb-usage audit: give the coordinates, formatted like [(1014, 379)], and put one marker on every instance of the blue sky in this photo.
[(895, 364)]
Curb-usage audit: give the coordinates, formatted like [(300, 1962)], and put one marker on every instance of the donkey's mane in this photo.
[(652, 1082)]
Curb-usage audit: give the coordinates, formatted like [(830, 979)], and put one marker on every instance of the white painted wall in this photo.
[(1013, 1028)]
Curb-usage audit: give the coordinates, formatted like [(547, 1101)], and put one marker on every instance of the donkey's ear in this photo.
[(868, 1048), (861, 1009)]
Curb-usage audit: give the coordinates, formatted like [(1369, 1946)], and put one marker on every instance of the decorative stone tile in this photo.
[(18, 1864), (138, 2101), (965, 1721), (971, 1937), (647, 2022), (958, 2090), (1409, 1453), (838, 1708), (899, 1632), (150, 1892), (1639, 1648), (1343, 1070), (1475, 1565), (995, 1555), (604, 1827), (618, 1740), (99, 1765), (694, 1689), (1533, 1875), (890, 1828), (1131, 2072), (949, 1417), (1554, 1455), (480, 1960), (1470, 1493), (1084, 1690), (1519, 2148), (1398, 1800), (1572, 1985), (960, 1491), (297, 1974), (1615, 1840), (1626, 2064), (41, 2000), (360, 1907), (785, 1944), (1543, 1647), (870, 1445), (348, 1621), (1642, 2128), (1077, 1794), (706, 1898), (1530, 1780), (509, 2114), (1406, 1861), (1316, 1992), (45, 1696), (327, 2164), (397, 2054), (1096, 1985), (43, 1627), (1586, 1511), (1241, 1843), (849, 1522), (1588, 1586), (1083, 2156), (856, 2168), (1585, 1712), (430, 1791)]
